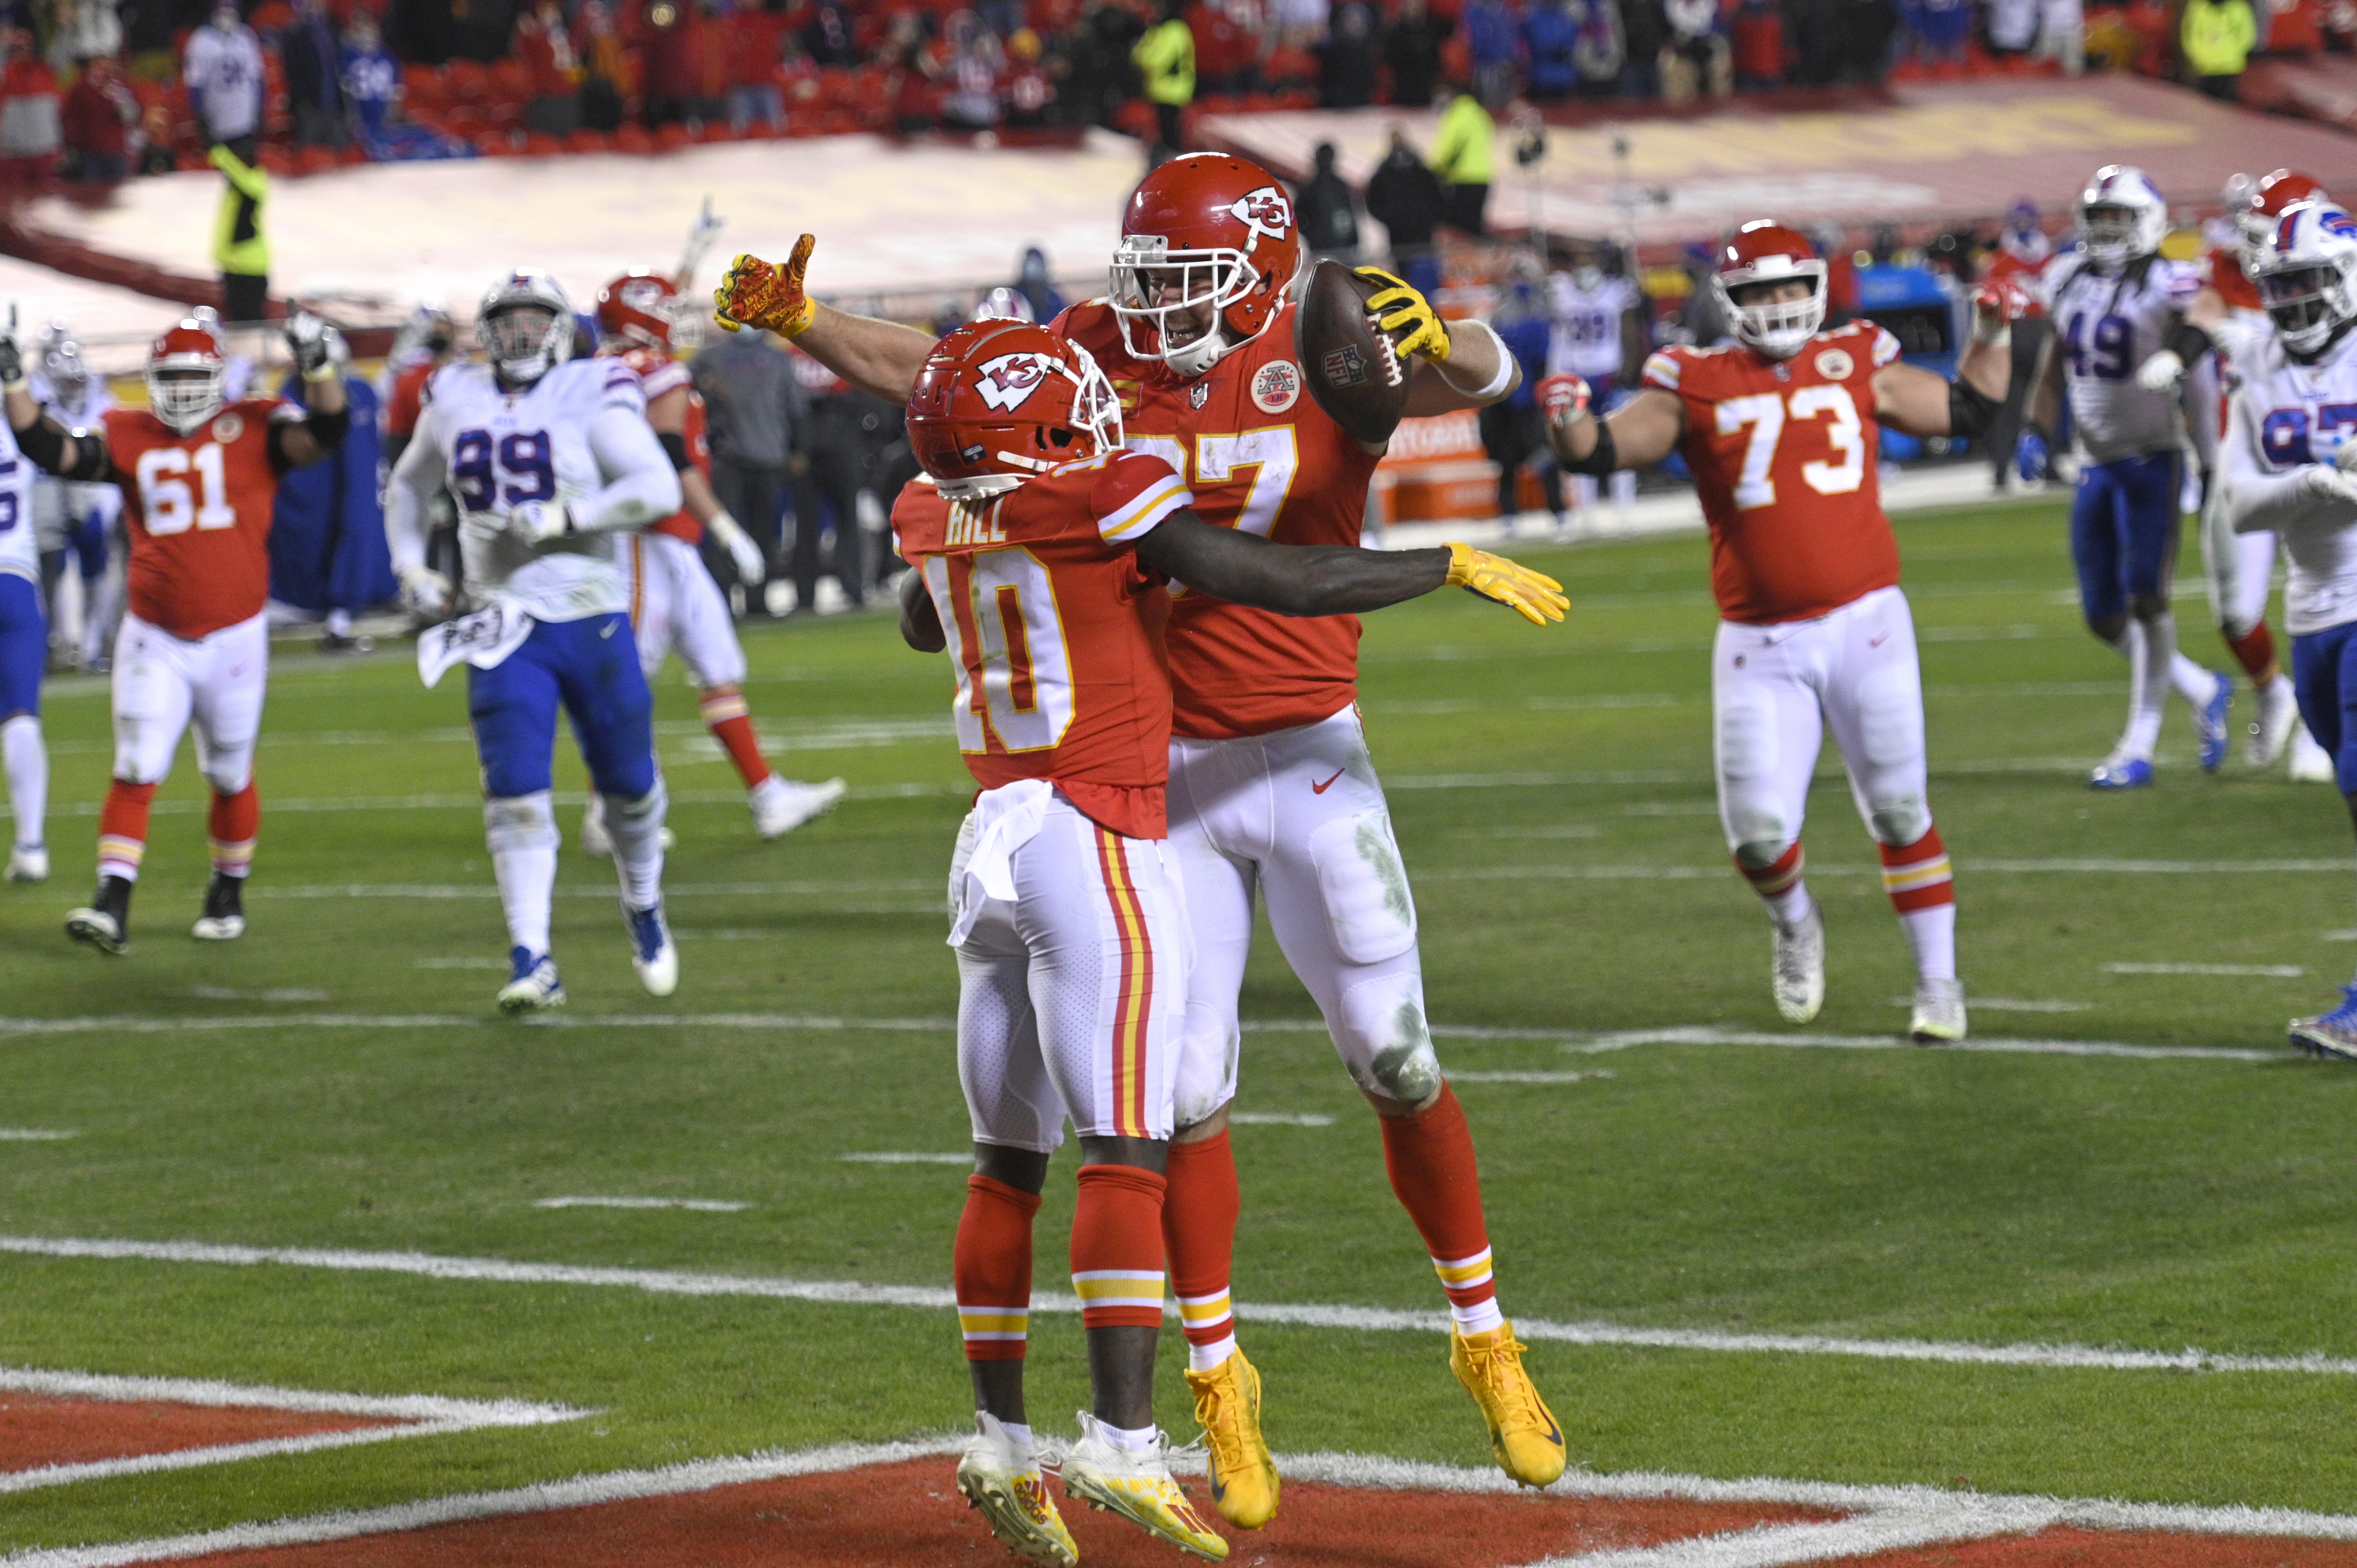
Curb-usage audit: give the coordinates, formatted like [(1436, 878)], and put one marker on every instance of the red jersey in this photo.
[(660, 374), (1260, 455), (2222, 269), (2006, 266), (406, 403), (1783, 458), (198, 511), (1055, 632)]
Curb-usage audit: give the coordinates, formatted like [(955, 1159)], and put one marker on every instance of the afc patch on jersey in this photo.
[(1277, 386), (1835, 365)]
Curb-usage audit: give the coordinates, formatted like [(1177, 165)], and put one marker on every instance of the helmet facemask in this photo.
[(2113, 232), (2309, 304), (1777, 329), (186, 389), (1160, 290), (526, 340), (1092, 428)]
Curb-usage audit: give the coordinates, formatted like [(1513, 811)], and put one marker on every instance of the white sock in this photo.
[(1789, 907), (1020, 1433), (1583, 491), (521, 832), (27, 763), (1932, 933), (1479, 1318), (636, 828), (1207, 1357), (1139, 1441), (2147, 687), (340, 623), (1624, 487), (2195, 685)]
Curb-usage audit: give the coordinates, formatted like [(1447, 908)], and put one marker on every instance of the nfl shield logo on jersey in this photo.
[(1008, 381)]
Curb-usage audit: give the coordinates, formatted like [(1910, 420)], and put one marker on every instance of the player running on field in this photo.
[(1273, 793), (1040, 551), (675, 603), (2241, 566), (1813, 631), (77, 524), (2116, 302), (23, 659), (2288, 465), (548, 459), (198, 479)]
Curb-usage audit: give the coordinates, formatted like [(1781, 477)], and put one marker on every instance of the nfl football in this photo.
[(1350, 365)]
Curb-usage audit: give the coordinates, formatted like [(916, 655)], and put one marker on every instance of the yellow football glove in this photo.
[(755, 294), (1536, 596), (1426, 334)]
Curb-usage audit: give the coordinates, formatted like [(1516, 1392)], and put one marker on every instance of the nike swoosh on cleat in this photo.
[(1321, 788)]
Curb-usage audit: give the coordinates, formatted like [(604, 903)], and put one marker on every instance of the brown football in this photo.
[(1350, 365)]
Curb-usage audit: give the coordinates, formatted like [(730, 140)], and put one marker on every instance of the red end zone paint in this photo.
[(894, 1515), (2095, 1549), (37, 1431)]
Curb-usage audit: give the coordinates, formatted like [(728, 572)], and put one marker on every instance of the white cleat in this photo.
[(1001, 1477), (781, 805), (651, 952), (29, 863), (2271, 730), (534, 986), (2311, 763), (1939, 1013), (1797, 971), (1138, 1485)]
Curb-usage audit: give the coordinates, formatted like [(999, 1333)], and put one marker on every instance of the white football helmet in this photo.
[(2306, 276), (2122, 215), (526, 324)]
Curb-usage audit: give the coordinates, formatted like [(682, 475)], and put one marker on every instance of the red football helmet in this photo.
[(999, 401), (2268, 198), (1205, 231), (1763, 252), (646, 310), (186, 373)]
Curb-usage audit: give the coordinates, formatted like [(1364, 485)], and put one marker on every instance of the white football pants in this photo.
[(162, 685), (675, 605), (1774, 692), (2240, 568), (1072, 947), (1297, 816)]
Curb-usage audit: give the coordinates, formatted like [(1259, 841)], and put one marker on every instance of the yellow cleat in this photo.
[(1140, 1489), (1002, 1478), (1524, 1432), (1244, 1477)]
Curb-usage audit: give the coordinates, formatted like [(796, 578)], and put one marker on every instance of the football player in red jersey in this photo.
[(1814, 632), (199, 477), (1041, 551), (675, 603), (1272, 792)]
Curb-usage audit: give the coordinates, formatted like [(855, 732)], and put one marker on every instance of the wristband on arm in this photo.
[(1603, 460)]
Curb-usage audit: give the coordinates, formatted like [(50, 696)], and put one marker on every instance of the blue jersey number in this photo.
[(515, 469), (2285, 434), (2101, 351), (9, 503)]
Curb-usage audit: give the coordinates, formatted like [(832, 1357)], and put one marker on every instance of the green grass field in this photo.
[(1553, 796)]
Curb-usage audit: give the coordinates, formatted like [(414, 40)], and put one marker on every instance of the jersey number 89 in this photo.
[(998, 610), (515, 469)]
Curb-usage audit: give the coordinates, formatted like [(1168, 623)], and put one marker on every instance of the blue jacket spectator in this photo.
[(1495, 43), (1551, 35)]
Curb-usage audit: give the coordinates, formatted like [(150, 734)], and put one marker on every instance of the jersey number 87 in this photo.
[(515, 469)]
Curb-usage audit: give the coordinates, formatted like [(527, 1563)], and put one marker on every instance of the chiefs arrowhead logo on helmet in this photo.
[(1008, 381), (1264, 211)]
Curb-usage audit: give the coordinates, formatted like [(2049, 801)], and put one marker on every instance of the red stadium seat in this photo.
[(590, 141), (672, 137), (541, 144), (313, 160), (631, 137)]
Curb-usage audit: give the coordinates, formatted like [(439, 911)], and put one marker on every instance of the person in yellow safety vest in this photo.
[(1164, 57), (2218, 37), (239, 249), (1461, 156)]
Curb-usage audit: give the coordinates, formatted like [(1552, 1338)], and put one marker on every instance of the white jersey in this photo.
[(2104, 326), (504, 448), (20, 550), (1587, 336), (2278, 409)]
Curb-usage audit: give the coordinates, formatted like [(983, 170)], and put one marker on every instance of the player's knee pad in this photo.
[(1206, 1077), (520, 822), (1379, 1027), (1758, 851), (1898, 820), (648, 806), (228, 771), (1364, 885)]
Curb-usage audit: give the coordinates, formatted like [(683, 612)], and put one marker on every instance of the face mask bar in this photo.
[(2300, 302), (184, 396), (2110, 232), (1779, 327), (1096, 414), (1141, 269), (521, 339)]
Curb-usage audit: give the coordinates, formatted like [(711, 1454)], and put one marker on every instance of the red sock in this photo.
[(1918, 876), (123, 828), (1773, 882), (1200, 1207), (992, 1269), (1430, 1157), (2256, 652), (233, 822), (1117, 1247), (731, 724)]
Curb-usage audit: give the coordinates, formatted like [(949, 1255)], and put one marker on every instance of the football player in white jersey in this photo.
[(546, 457), (2288, 465), (1594, 334), (77, 522), (2115, 301), (24, 655)]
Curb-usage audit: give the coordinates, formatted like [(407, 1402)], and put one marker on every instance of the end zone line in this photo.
[(221, 1453), (1374, 1320)]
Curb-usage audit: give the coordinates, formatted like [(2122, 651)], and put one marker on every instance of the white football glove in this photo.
[(2161, 372), (13, 376), (318, 350), (537, 522), (2329, 482), (424, 591), (752, 565)]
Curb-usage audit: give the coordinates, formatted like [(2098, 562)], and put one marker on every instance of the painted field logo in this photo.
[(1834, 365), (1276, 387), (1343, 367), (1008, 381)]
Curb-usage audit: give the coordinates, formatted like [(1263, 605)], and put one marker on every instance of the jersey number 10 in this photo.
[(998, 610), (168, 504)]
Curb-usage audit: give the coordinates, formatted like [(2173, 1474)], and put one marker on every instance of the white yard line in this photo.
[(1525, 1077), (664, 1281), (905, 1157), (1623, 1039), (1278, 1119), (36, 1134), (178, 807), (695, 1205), (2265, 970)]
